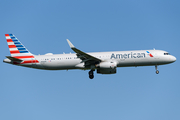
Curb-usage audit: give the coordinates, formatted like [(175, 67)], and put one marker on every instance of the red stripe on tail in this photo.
[(14, 52), (30, 61), (9, 40), (11, 46), (21, 57)]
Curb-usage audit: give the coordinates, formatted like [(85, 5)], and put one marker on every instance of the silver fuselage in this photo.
[(122, 58)]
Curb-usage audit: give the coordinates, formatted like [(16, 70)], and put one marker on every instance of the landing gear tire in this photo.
[(91, 74), (157, 72)]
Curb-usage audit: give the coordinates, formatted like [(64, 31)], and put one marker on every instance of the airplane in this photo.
[(102, 62)]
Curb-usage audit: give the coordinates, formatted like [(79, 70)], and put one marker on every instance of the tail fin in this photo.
[(19, 54), (16, 48)]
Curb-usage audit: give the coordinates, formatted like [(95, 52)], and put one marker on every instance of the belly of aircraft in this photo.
[(58, 65)]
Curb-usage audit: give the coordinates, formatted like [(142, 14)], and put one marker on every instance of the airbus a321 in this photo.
[(102, 62)]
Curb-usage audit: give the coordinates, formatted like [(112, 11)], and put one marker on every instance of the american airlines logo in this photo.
[(129, 55), (149, 54)]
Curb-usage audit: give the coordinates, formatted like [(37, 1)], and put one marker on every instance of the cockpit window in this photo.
[(166, 54)]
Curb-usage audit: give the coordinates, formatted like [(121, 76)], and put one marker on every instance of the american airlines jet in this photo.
[(102, 62)]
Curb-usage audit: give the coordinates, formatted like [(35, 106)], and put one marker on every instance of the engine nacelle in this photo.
[(106, 68), (107, 65), (106, 71)]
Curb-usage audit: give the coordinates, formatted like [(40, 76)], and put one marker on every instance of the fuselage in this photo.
[(122, 58), (102, 62)]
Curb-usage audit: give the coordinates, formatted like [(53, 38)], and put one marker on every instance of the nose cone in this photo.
[(173, 59)]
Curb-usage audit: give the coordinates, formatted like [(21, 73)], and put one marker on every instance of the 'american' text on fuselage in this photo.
[(129, 55)]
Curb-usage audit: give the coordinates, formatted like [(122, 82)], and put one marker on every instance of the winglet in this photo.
[(70, 44)]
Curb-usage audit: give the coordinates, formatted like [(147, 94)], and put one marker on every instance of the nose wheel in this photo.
[(157, 71), (91, 74)]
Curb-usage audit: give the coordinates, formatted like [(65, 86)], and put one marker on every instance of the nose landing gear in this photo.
[(91, 74), (157, 71)]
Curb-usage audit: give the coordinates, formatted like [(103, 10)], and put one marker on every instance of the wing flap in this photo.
[(84, 55)]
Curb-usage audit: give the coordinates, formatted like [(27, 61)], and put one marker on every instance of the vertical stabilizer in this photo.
[(18, 50)]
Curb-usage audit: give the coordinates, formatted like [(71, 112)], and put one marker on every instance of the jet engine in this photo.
[(106, 68)]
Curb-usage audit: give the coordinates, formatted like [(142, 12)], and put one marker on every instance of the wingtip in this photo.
[(70, 44)]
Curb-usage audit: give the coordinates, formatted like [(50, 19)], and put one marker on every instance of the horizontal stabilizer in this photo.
[(13, 58)]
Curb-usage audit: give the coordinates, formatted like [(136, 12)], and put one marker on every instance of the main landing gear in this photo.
[(157, 71), (91, 74)]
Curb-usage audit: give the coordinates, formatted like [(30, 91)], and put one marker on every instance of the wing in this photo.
[(88, 59)]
